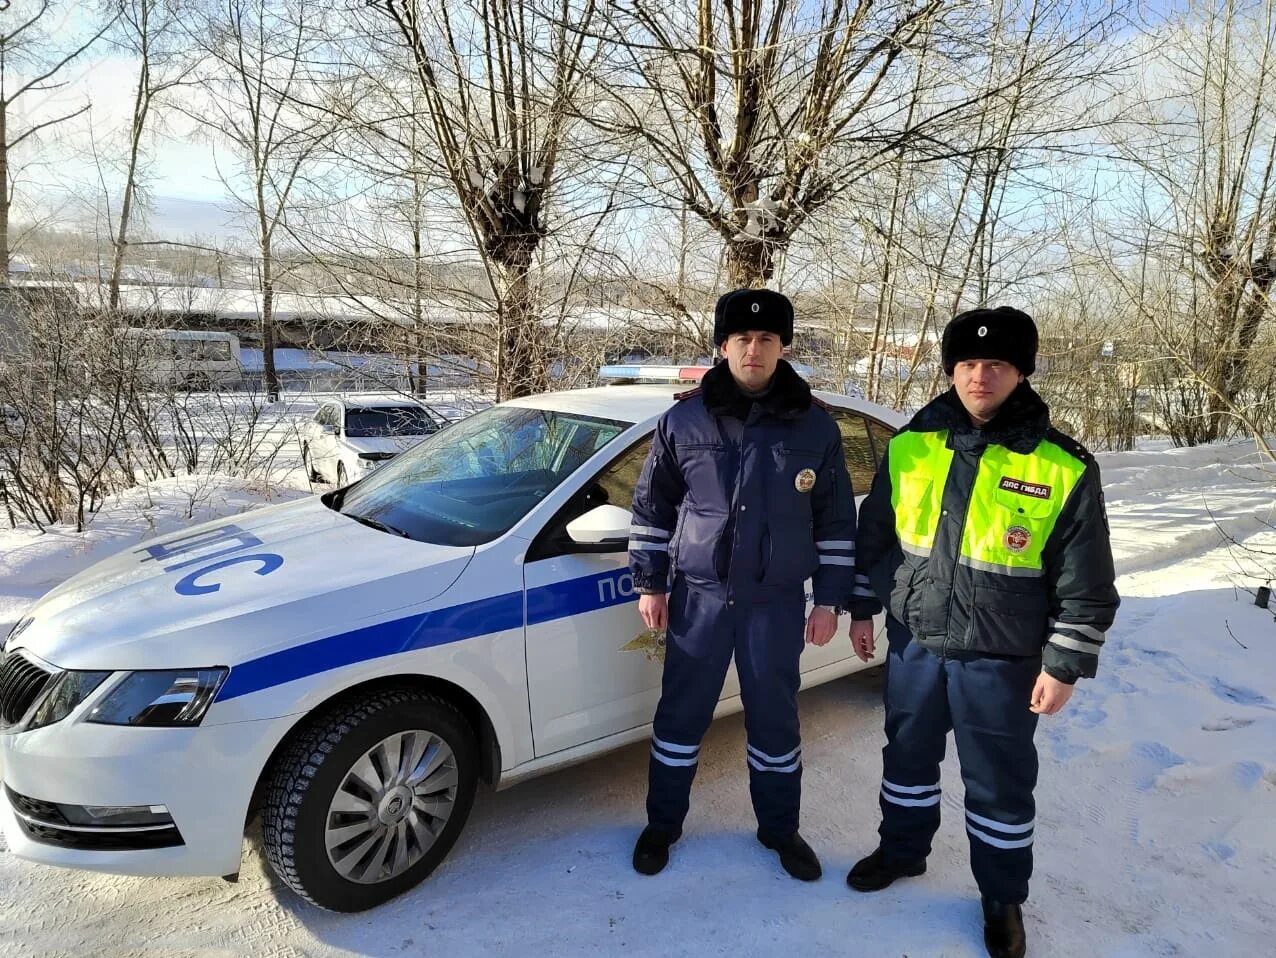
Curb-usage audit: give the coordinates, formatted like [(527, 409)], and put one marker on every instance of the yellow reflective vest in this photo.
[(991, 541)]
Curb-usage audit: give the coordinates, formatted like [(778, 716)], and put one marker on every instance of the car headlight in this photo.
[(68, 691), (176, 698), (15, 632)]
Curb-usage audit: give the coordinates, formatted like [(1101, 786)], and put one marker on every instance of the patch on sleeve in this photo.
[(1034, 489)]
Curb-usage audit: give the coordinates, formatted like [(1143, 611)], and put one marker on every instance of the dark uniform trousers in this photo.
[(766, 639), (983, 700)]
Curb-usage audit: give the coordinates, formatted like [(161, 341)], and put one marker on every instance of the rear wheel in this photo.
[(369, 798)]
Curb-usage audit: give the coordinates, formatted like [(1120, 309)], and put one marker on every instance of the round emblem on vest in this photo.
[(1016, 539), (804, 481)]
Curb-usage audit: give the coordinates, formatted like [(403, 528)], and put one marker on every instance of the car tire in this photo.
[(341, 475), (328, 822), (311, 475)]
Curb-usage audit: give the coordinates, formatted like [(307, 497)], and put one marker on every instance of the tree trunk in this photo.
[(751, 263), (522, 371), (1228, 370), (4, 197), (270, 376), (140, 106), (418, 276)]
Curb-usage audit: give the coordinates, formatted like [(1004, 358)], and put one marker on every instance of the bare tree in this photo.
[(32, 54), (758, 114), (500, 82), (1194, 251), (84, 416), (378, 224), (749, 107), (149, 31), (258, 55)]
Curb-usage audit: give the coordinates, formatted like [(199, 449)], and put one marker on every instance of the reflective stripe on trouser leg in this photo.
[(769, 643), (994, 732), (697, 652), (917, 725)]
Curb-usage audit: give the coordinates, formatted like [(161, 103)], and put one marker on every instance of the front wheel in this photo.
[(341, 475), (369, 798), (312, 474)]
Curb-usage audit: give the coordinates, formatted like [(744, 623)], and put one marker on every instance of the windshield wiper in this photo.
[(378, 525)]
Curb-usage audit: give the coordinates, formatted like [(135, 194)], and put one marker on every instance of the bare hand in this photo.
[(654, 610), (820, 626), (1049, 695), (862, 638)]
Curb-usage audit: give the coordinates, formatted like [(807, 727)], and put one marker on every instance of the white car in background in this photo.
[(352, 664), (348, 438)]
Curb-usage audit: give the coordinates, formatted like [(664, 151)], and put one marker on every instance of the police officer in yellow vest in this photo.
[(985, 537)]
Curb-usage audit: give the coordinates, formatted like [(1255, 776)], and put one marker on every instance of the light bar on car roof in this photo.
[(654, 374)]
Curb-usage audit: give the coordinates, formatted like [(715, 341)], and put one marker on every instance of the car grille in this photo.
[(44, 822), (21, 682)]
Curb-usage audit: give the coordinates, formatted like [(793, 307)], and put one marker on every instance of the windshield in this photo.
[(471, 482), (391, 421)]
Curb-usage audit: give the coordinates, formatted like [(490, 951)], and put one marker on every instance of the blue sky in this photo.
[(184, 180)]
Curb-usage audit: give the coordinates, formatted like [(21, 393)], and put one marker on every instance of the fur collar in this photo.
[(1020, 424), (788, 398)]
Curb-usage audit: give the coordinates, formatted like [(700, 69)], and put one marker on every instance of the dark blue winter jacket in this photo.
[(747, 498)]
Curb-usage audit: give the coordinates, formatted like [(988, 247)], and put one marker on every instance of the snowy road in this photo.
[(1156, 809)]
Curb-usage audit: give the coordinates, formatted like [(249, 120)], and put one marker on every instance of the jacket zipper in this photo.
[(961, 535), (735, 508)]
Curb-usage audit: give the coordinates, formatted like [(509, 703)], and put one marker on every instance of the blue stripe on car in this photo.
[(586, 594), (426, 630)]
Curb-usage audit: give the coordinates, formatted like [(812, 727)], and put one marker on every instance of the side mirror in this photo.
[(329, 428), (602, 529)]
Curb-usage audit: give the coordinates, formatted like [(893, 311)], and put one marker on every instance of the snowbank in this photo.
[(1156, 808)]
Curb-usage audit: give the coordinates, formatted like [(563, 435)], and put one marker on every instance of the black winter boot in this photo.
[(1003, 930), (875, 872), (795, 854), (651, 853)]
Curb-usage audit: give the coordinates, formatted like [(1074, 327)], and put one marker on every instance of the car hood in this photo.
[(382, 443), (225, 591)]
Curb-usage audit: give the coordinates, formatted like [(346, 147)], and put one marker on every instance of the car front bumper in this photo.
[(204, 777)]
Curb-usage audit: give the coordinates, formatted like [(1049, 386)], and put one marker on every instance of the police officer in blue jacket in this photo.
[(744, 496)]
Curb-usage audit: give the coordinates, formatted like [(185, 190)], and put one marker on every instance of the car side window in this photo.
[(613, 485), (619, 479), (881, 434), (858, 449)]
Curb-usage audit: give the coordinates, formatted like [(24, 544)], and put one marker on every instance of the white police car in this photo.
[(352, 664)]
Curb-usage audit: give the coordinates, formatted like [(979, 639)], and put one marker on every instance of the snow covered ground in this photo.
[(1156, 808)]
